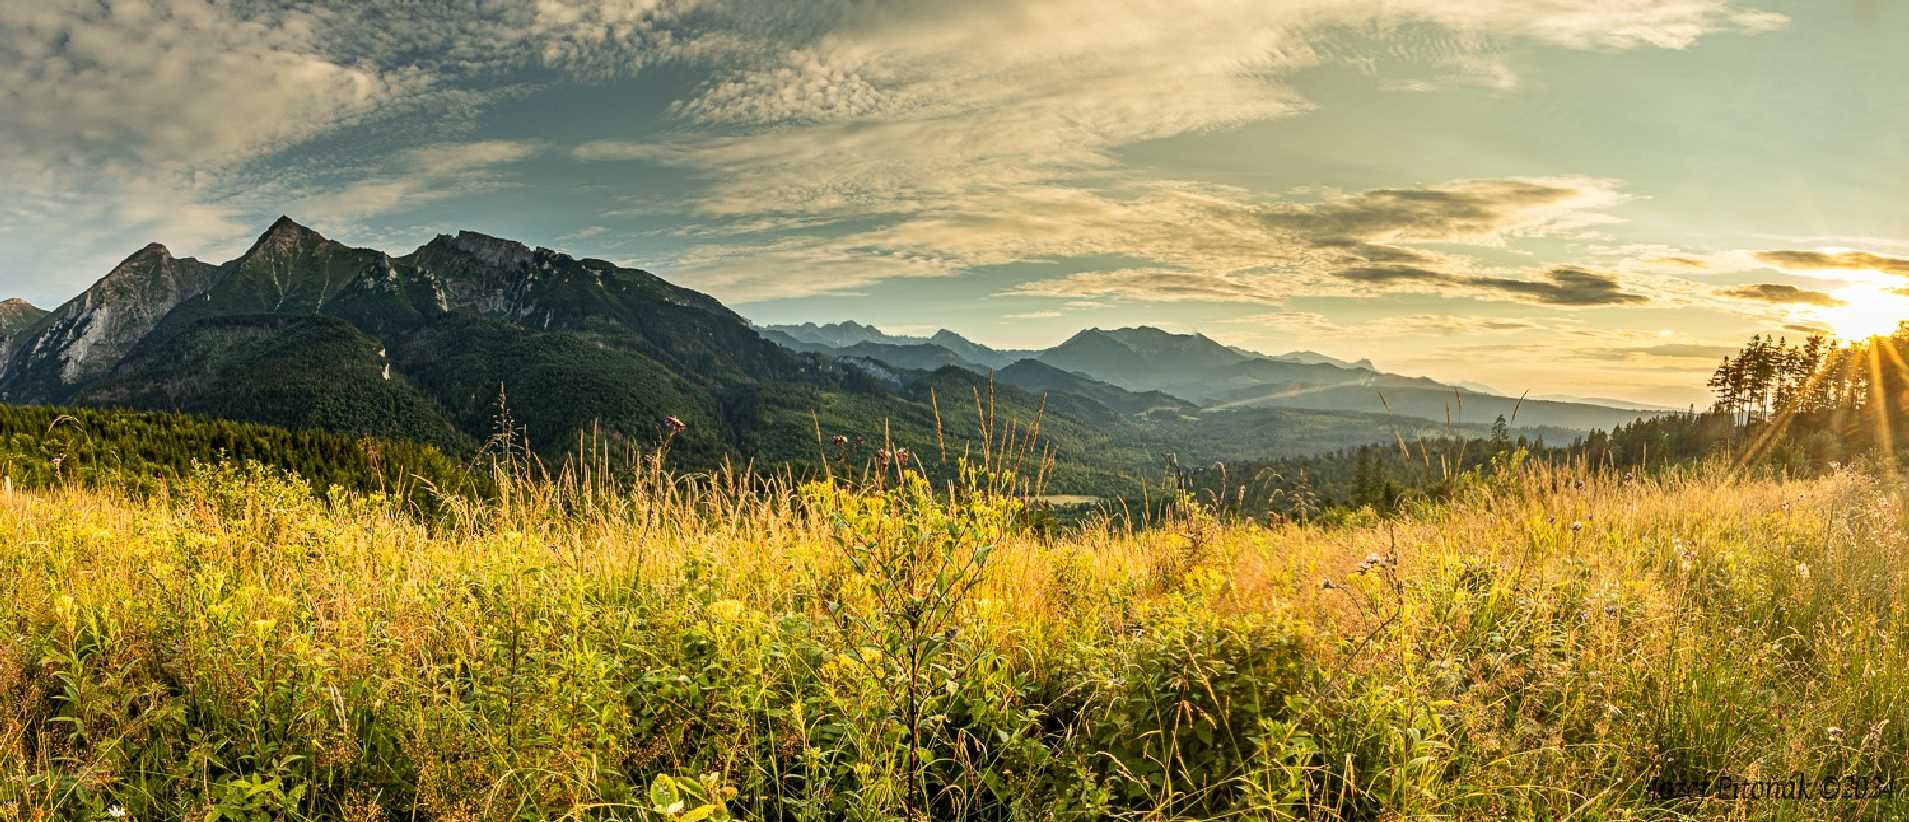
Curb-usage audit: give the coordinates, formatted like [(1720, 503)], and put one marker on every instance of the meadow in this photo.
[(1540, 645)]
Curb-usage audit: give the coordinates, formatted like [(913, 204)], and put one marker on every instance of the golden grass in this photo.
[(1541, 646)]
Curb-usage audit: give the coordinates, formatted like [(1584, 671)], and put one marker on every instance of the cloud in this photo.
[(1384, 274), (1149, 284), (1834, 261), (174, 81), (415, 177), (1034, 315), (985, 133), (1216, 243), (1567, 286), (1481, 212), (1778, 293), (162, 117), (1441, 325), (1299, 322), (1691, 263), (1666, 351), (1452, 325), (800, 266), (586, 233)]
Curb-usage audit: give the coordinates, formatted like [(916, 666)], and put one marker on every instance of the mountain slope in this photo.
[(296, 330), (841, 335), (975, 352), (1316, 357), (619, 307), (833, 337), (916, 356), (16, 314), (299, 372), (1040, 378), (1194, 368), (87, 335)]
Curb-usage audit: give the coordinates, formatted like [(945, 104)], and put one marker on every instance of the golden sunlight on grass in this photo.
[(1538, 648)]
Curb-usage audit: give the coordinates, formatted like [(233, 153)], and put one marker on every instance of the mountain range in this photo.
[(1198, 371), (469, 336)]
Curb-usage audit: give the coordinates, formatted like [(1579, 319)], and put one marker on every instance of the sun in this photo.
[(1867, 310)]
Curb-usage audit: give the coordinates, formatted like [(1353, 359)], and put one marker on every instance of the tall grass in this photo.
[(1538, 646)]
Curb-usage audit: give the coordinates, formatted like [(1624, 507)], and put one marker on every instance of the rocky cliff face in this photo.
[(159, 331), (92, 331), (16, 315)]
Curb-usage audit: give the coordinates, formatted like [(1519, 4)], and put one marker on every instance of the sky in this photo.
[(1594, 199)]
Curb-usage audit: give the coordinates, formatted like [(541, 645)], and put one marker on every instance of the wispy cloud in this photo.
[(988, 133), (1782, 294), (1448, 325), (1214, 244), (414, 177), (920, 138), (1834, 261)]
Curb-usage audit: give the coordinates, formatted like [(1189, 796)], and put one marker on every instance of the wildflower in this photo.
[(726, 609), (1835, 733), (1576, 526), (1875, 732), (840, 441), (116, 812), (901, 456), (881, 457), (1803, 570), (673, 425)]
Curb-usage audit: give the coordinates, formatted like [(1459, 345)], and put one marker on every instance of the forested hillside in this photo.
[(143, 451)]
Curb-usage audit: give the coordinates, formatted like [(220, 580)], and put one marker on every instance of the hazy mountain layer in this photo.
[(1146, 363)]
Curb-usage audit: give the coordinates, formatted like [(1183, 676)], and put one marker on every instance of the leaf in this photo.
[(663, 794)]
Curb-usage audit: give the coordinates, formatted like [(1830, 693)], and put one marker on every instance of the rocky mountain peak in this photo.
[(90, 332), (284, 235), (285, 224), (16, 314), (143, 259), (493, 250)]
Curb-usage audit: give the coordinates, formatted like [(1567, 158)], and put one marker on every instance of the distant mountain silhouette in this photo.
[(1203, 372)]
